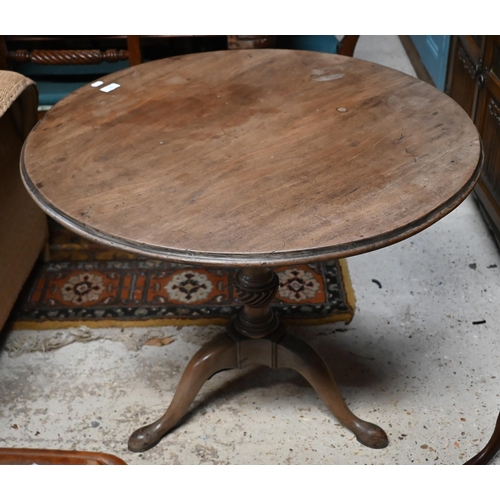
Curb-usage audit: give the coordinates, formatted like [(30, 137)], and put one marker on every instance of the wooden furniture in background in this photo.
[(235, 42), (347, 45), (67, 50), (474, 82), (28, 456), (61, 64), (265, 158)]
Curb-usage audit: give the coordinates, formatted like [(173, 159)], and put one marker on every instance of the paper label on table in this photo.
[(96, 84), (110, 87)]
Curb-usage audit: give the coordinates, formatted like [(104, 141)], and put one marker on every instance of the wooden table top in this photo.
[(259, 157)]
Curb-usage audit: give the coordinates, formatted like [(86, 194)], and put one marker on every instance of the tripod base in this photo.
[(280, 350)]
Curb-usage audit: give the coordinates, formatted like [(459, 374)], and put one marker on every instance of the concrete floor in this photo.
[(412, 361)]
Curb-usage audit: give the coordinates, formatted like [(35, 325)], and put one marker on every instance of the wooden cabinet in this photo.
[(474, 82)]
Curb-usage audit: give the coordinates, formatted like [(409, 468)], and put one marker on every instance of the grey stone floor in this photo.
[(412, 360)]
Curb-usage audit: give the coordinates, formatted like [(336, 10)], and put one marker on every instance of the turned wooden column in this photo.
[(256, 288)]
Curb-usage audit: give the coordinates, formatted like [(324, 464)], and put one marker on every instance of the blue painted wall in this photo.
[(433, 51)]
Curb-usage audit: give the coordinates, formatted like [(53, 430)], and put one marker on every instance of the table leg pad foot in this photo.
[(144, 438), (371, 435), (218, 355)]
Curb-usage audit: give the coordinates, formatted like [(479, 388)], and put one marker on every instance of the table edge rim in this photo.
[(255, 259)]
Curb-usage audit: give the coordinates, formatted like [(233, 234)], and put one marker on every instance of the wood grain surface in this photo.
[(261, 157)]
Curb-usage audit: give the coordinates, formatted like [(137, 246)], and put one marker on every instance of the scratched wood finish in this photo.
[(253, 158)]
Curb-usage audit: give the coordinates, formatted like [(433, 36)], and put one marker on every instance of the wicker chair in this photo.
[(23, 226)]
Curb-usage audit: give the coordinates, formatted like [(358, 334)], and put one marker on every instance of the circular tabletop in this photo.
[(258, 157)]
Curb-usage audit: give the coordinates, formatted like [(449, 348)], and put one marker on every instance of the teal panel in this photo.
[(433, 51), (57, 81), (70, 70), (318, 43), (52, 92)]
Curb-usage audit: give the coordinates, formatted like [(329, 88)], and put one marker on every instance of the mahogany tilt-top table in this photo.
[(253, 159)]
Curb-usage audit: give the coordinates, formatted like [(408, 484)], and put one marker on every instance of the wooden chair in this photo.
[(61, 64)]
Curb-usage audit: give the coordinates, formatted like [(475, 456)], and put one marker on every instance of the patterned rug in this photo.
[(84, 283)]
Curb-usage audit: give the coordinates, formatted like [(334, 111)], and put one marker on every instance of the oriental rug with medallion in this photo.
[(86, 284)]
